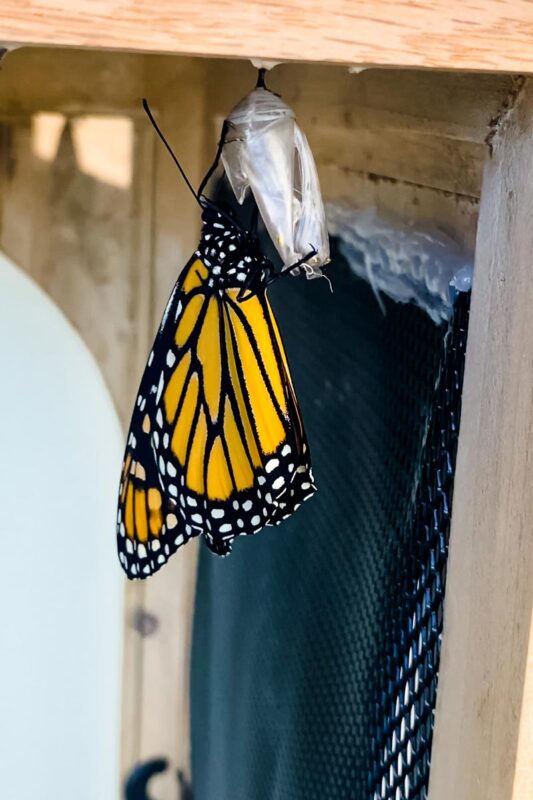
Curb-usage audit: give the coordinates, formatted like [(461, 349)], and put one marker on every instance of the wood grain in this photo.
[(455, 215), (83, 240), (482, 701), (446, 104), (448, 34), (424, 128)]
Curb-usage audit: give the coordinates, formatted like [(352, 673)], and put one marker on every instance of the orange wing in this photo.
[(216, 444)]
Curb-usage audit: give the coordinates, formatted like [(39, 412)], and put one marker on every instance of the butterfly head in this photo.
[(232, 255)]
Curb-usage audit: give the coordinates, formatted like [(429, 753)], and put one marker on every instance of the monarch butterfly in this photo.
[(216, 444)]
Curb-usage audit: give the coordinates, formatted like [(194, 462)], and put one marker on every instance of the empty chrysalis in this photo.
[(267, 152)]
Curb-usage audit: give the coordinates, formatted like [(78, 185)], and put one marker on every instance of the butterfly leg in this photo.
[(219, 547)]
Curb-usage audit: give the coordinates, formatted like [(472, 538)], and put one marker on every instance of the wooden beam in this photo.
[(492, 35), (481, 750)]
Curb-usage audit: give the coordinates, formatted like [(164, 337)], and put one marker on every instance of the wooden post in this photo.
[(481, 750)]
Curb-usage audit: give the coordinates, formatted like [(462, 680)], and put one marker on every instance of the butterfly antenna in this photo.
[(174, 157)]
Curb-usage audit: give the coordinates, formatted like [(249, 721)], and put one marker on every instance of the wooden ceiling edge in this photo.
[(435, 34), (508, 65)]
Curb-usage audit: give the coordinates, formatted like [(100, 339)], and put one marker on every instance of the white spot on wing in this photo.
[(160, 387)]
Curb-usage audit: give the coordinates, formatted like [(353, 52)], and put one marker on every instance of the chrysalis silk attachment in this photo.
[(266, 151), (412, 263)]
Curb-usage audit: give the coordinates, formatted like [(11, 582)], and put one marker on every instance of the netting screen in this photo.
[(316, 644)]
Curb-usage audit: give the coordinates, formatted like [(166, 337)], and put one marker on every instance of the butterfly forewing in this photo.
[(216, 444), (147, 517)]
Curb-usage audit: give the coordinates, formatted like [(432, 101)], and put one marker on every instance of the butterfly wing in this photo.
[(146, 512), (216, 444)]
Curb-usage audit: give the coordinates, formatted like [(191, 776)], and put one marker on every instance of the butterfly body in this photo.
[(216, 443)]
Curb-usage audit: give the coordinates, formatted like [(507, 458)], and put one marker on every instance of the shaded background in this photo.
[(300, 636)]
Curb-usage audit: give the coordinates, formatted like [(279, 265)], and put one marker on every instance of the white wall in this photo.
[(60, 583)]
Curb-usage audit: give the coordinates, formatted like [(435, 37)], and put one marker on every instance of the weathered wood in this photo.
[(448, 34), (446, 104), (416, 127), (489, 596), (455, 215), (76, 235)]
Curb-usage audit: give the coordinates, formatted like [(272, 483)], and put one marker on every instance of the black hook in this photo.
[(261, 72), (136, 786)]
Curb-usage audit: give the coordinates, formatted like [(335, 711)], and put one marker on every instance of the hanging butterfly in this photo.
[(216, 444)]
